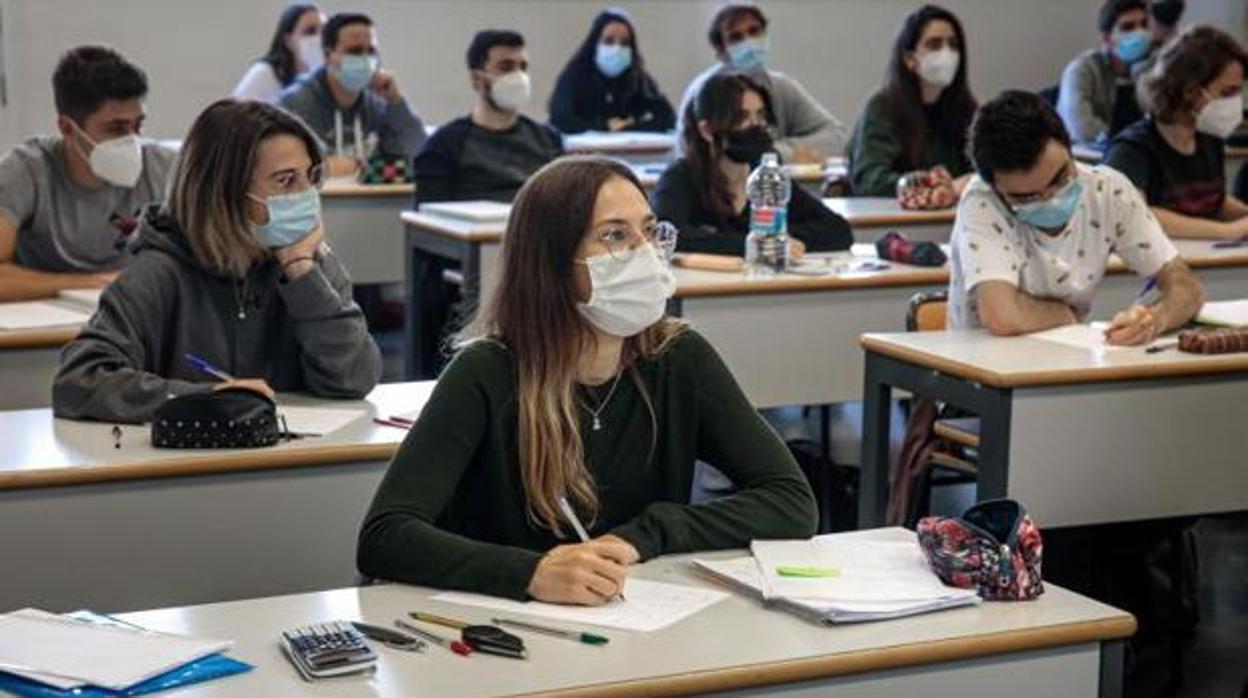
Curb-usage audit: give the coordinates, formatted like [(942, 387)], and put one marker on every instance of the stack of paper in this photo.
[(66, 653), (843, 577), (84, 298), (1224, 313), (39, 315)]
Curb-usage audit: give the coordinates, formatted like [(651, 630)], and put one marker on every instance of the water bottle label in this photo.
[(769, 221)]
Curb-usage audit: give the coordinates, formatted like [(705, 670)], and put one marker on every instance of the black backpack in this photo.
[(835, 486)]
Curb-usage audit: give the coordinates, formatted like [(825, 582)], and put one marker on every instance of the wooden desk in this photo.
[(1080, 436), (89, 525), (871, 217), (360, 225), (1059, 645)]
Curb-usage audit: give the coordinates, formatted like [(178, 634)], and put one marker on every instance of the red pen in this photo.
[(391, 423), (453, 645), (402, 420)]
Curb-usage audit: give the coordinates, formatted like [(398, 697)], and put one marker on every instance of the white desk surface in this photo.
[(39, 450), (878, 211), (339, 188), (1025, 361), (734, 644), (619, 142)]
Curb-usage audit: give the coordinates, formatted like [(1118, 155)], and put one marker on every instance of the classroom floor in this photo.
[(1214, 663)]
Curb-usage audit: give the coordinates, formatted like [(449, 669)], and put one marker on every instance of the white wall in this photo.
[(194, 51)]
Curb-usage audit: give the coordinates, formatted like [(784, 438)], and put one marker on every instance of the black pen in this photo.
[(116, 436)]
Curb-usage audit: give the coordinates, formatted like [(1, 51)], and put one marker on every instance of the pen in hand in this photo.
[(204, 366), (570, 514)]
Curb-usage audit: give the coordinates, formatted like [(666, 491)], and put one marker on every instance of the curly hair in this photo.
[(1194, 58)]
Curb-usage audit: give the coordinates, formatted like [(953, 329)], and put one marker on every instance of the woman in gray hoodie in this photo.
[(233, 269)]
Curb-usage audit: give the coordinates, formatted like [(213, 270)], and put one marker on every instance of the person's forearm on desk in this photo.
[(1005, 310), (1178, 225), (18, 283)]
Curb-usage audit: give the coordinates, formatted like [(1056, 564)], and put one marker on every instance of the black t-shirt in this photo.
[(462, 161), (1193, 185)]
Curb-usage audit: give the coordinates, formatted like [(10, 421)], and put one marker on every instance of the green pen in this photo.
[(587, 638), (813, 572)]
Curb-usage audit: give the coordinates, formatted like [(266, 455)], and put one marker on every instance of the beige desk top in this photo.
[(342, 188), (879, 211), (620, 142), (39, 450), (713, 650), (1012, 362), (37, 339)]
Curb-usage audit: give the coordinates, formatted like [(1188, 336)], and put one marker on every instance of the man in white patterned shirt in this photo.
[(1035, 229)]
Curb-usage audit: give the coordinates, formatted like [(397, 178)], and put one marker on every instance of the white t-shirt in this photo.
[(259, 83), (990, 244)]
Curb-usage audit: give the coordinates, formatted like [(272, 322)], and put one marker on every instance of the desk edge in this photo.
[(38, 339)]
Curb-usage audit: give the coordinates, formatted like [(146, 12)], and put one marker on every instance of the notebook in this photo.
[(317, 421), (35, 315), (649, 606), (1224, 313), (65, 652), (475, 211)]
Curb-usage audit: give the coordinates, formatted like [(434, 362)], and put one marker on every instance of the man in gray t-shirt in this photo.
[(68, 203)]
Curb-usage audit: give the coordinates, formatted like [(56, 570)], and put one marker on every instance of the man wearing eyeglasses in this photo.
[(1035, 230), (353, 104)]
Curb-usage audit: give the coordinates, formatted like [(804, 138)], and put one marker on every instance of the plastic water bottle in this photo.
[(767, 245)]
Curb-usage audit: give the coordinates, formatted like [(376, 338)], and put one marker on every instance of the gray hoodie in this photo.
[(304, 335), (399, 130)]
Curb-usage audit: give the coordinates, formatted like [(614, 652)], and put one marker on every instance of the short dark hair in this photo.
[(335, 25), (1010, 133), (729, 13), (1194, 58), (486, 39), (88, 76), (1111, 10)]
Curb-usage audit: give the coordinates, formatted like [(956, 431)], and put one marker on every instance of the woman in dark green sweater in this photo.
[(919, 119), (572, 383)]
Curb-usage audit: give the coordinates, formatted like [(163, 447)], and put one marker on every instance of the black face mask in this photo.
[(1167, 13), (747, 145)]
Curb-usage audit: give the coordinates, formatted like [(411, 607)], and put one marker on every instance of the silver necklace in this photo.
[(240, 297), (596, 413)]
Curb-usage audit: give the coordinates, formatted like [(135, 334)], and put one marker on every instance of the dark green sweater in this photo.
[(450, 512), (876, 160)]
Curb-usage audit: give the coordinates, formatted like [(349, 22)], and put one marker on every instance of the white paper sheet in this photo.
[(85, 298), (875, 570), (476, 211), (1224, 313), (318, 421), (1090, 337), (649, 606), (39, 314), (36, 642)]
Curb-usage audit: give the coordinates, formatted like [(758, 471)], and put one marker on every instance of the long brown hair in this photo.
[(208, 194), (1194, 58), (718, 102), (532, 312)]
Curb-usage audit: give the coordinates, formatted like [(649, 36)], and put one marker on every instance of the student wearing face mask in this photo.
[(804, 130), (703, 192), (1096, 98), (294, 50), (572, 384), (231, 268), (353, 104), (605, 87), (492, 151), (919, 117), (68, 203), (1035, 229), (1176, 155)]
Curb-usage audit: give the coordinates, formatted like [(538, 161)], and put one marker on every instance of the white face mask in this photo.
[(118, 161), (1221, 116), (309, 52), (939, 68), (629, 292), (510, 92)]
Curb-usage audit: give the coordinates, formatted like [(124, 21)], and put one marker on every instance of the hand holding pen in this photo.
[(258, 385), (589, 573)]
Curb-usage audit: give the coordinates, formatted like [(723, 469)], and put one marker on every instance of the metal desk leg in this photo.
[(994, 442), (1112, 666), (876, 398)]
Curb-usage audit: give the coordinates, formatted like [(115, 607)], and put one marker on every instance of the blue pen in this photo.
[(1149, 284), (1237, 242), (204, 366)]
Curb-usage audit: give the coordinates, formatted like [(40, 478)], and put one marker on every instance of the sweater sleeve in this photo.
[(400, 539), (339, 357), (874, 152), (818, 227), (563, 113), (435, 167), (106, 372), (656, 112), (400, 131), (772, 499), (675, 200), (1076, 102)]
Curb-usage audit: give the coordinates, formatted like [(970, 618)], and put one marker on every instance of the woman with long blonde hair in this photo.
[(572, 384)]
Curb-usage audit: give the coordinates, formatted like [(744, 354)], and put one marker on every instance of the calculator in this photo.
[(322, 650)]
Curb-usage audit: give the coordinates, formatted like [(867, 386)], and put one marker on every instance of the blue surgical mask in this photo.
[(613, 59), (1054, 213), (355, 72), (749, 55), (1133, 45), (292, 217)]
